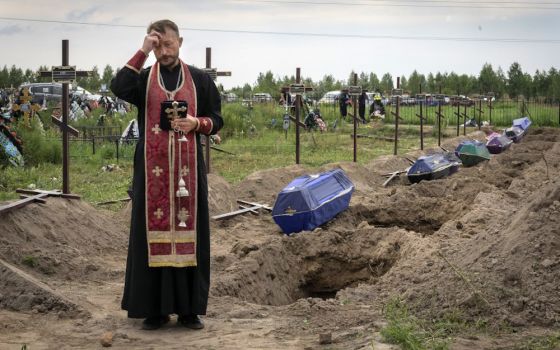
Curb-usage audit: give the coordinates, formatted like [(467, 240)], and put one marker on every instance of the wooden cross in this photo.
[(173, 113), (439, 98), (298, 89), (421, 98), (214, 73), (65, 74), (398, 94), (355, 91)]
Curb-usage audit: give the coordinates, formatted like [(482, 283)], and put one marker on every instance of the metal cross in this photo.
[(173, 113), (183, 215)]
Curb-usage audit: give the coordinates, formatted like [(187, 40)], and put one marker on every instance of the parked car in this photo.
[(43, 91), (330, 97), (262, 97)]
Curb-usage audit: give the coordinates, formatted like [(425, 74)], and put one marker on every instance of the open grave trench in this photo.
[(364, 242), (359, 246)]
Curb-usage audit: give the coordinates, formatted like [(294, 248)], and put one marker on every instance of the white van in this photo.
[(330, 97)]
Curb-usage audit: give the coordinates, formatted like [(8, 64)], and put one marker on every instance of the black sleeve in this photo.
[(209, 102), (126, 85)]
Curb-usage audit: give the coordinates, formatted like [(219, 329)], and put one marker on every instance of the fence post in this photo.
[(558, 112), (117, 146), (93, 143)]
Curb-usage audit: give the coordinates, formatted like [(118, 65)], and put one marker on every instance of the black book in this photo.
[(171, 110)]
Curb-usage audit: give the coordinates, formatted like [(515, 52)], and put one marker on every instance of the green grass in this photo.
[(549, 342), (412, 333), (258, 143)]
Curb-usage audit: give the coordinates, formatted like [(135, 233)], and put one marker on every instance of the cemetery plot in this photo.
[(480, 245)]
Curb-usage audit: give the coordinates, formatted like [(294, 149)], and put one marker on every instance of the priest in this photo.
[(168, 264)]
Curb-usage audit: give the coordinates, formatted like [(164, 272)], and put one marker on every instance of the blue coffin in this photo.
[(432, 167), (514, 133), (522, 123), (311, 200)]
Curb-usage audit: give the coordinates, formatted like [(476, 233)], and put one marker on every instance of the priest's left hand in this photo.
[(185, 124)]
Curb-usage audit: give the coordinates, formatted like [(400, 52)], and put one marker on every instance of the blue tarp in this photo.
[(311, 200)]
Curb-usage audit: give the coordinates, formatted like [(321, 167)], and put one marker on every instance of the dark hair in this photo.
[(161, 26)]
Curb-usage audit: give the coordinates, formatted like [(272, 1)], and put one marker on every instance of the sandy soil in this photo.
[(483, 242)]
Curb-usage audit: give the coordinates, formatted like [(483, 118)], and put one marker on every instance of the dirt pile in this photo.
[(61, 240), (482, 242)]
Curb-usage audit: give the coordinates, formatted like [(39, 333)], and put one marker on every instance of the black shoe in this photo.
[(155, 322), (190, 321)]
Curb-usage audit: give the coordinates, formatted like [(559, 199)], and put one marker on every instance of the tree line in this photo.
[(13, 77), (511, 84)]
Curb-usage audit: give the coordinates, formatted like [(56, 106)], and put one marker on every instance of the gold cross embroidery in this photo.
[(158, 213), (205, 122), (156, 129), (183, 214), (157, 171), (184, 171), (173, 113)]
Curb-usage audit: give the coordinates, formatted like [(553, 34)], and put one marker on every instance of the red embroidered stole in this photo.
[(168, 243)]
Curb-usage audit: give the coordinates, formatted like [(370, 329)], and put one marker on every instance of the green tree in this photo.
[(414, 82), (94, 81), (266, 83), (16, 76), (373, 82), (488, 80), (386, 83), (516, 80), (108, 75), (4, 77)]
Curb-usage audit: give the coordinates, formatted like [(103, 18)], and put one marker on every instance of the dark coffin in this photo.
[(498, 143), (472, 152), (311, 200), (432, 167)]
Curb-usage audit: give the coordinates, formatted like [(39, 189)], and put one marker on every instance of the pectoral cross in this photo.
[(173, 113)]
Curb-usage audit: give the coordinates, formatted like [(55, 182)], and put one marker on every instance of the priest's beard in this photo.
[(169, 62)]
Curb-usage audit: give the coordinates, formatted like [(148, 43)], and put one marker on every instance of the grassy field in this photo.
[(255, 136)]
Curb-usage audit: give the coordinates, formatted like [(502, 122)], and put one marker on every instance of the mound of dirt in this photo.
[(63, 239), (481, 241), (22, 292)]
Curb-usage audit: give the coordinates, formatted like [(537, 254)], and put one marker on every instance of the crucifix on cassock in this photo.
[(64, 74), (214, 74)]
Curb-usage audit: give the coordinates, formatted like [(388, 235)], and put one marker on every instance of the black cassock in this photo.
[(154, 291)]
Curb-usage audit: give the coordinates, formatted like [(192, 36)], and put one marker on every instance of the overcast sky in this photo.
[(362, 35)]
